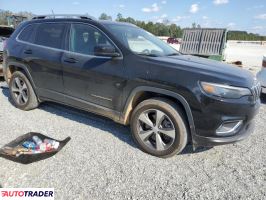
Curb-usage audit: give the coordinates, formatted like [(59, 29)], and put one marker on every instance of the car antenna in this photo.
[(53, 13)]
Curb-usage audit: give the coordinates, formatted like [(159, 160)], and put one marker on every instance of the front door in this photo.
[(93, 79)]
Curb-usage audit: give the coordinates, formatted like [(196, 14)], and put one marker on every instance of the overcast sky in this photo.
[(249, 15)]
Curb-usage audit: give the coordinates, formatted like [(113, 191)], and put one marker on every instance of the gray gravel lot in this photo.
[(102, 162)]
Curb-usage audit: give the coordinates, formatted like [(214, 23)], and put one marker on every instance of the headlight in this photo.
[(224, 91)]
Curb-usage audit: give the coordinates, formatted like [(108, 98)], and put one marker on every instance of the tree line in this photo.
[(159, 29), (172, 30), (243, 35)]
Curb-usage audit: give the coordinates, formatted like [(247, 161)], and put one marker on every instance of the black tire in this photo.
[(32, 101), (177, 117), (263, 97)]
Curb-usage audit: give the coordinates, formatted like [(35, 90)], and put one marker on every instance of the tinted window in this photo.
[(84, 38), (140, 41), (26, 34), (50, 35)]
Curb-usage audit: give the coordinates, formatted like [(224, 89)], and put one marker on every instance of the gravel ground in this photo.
[(102, 162)]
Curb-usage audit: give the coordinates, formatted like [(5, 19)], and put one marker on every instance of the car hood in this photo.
[(209, 67)]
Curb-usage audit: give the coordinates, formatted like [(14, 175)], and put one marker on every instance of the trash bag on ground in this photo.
[(32, 147)]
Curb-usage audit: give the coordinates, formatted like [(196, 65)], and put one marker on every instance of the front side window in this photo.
[(50, 35), (84, 39), (140, 41)]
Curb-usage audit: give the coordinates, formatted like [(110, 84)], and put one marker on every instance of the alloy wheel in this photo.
[(20, 91), (156, 130)]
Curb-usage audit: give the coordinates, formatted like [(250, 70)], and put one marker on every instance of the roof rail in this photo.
[(56, 16)]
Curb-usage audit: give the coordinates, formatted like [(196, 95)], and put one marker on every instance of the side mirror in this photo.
[(105, 50)]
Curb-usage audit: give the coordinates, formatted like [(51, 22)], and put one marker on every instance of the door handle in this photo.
[(28, 51), (70, 60), (121, 84)]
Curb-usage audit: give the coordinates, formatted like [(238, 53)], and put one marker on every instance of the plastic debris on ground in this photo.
[(32, 147)]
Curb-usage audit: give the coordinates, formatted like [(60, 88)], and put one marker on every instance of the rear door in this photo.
[(94, 79), (44, 59)]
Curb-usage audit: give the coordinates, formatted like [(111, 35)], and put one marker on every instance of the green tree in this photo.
[(175, 31), (104, 16), (130, 20), (243, 35), (119, 17), (194, 25)]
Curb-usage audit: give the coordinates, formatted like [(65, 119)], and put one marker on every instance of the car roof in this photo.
[(103, 22)]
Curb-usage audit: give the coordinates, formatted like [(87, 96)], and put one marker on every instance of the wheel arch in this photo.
[(17, 66), (138, 94)]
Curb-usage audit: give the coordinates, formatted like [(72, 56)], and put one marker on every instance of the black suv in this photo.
[(125, 73)]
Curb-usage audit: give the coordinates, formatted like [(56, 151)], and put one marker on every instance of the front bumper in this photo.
[(214, 141), (215, 112)]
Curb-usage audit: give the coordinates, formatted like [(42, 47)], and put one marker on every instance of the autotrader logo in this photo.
[(27, 193)]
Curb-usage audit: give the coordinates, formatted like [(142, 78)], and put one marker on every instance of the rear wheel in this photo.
[(159, 127), (22, 93)]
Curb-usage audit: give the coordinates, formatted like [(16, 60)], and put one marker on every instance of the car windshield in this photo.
[(140, 41)]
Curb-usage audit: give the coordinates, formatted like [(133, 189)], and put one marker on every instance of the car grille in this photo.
[(256, 90)]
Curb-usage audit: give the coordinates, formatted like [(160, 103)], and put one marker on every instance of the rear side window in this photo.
[(50, 35), (27, 34)]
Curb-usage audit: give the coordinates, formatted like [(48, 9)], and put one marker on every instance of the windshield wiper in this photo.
[(146, 54), (173, 54)]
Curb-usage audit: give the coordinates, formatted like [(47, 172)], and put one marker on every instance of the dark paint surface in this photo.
[(93, 76), (102, 83)]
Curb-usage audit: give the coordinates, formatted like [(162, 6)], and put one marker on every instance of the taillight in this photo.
[(5, 44), (264, 62)]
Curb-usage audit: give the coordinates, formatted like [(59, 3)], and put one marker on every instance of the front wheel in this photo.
[(159, 127)]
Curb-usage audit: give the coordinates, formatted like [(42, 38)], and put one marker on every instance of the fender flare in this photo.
[(24, 67), (128, 107)]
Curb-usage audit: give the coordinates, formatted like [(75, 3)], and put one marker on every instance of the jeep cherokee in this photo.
[(127, 74)]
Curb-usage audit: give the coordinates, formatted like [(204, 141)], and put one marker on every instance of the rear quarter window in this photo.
[(50, 35), (26, 34)]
